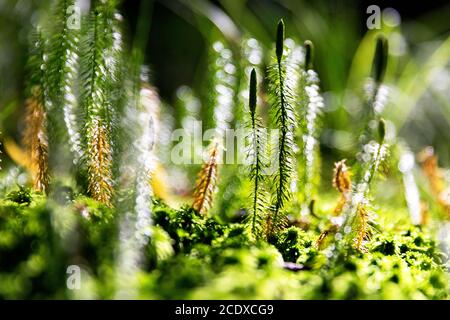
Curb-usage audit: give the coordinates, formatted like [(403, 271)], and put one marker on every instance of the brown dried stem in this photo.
[(35, 140), (99, 166), (206, 182), (342, 182)]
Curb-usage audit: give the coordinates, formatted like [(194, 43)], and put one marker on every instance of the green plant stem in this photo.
[(282, 155), (256, 173)]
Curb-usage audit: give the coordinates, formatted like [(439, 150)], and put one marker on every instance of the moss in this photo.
[(159, 248), (31, 259), (296, 245), (178, 276), (186, 227), (96, 230), (21, 196), (387, 247), (192, 256)]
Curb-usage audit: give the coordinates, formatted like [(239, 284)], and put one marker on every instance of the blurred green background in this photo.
[(182, 30)]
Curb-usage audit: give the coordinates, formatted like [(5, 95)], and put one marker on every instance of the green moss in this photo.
[(296, 245), (192, 256), (21, 196), (31, 259), (186, 227)]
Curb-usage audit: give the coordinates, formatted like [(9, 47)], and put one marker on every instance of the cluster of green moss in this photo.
[(39, 239), (192, 256), (31, 260), (187, 227), (298, 246), (225, 262)]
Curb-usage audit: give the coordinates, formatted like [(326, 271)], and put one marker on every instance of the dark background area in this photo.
[(176, 47), (180, 37)]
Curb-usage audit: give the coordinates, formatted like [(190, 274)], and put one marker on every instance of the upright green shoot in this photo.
[(62, 109), (373, 154), (376, 91), (101, 56), (256, 217), (312, 103), (282, 97), (356, 215), (221, 85)]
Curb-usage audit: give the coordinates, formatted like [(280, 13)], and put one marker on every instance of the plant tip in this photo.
[(312, 208), (309, 55), (280, 40), (252, 92), (380, 59), (381, 129)]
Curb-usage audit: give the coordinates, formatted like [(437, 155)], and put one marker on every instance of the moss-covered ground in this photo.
[(191, 256)]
